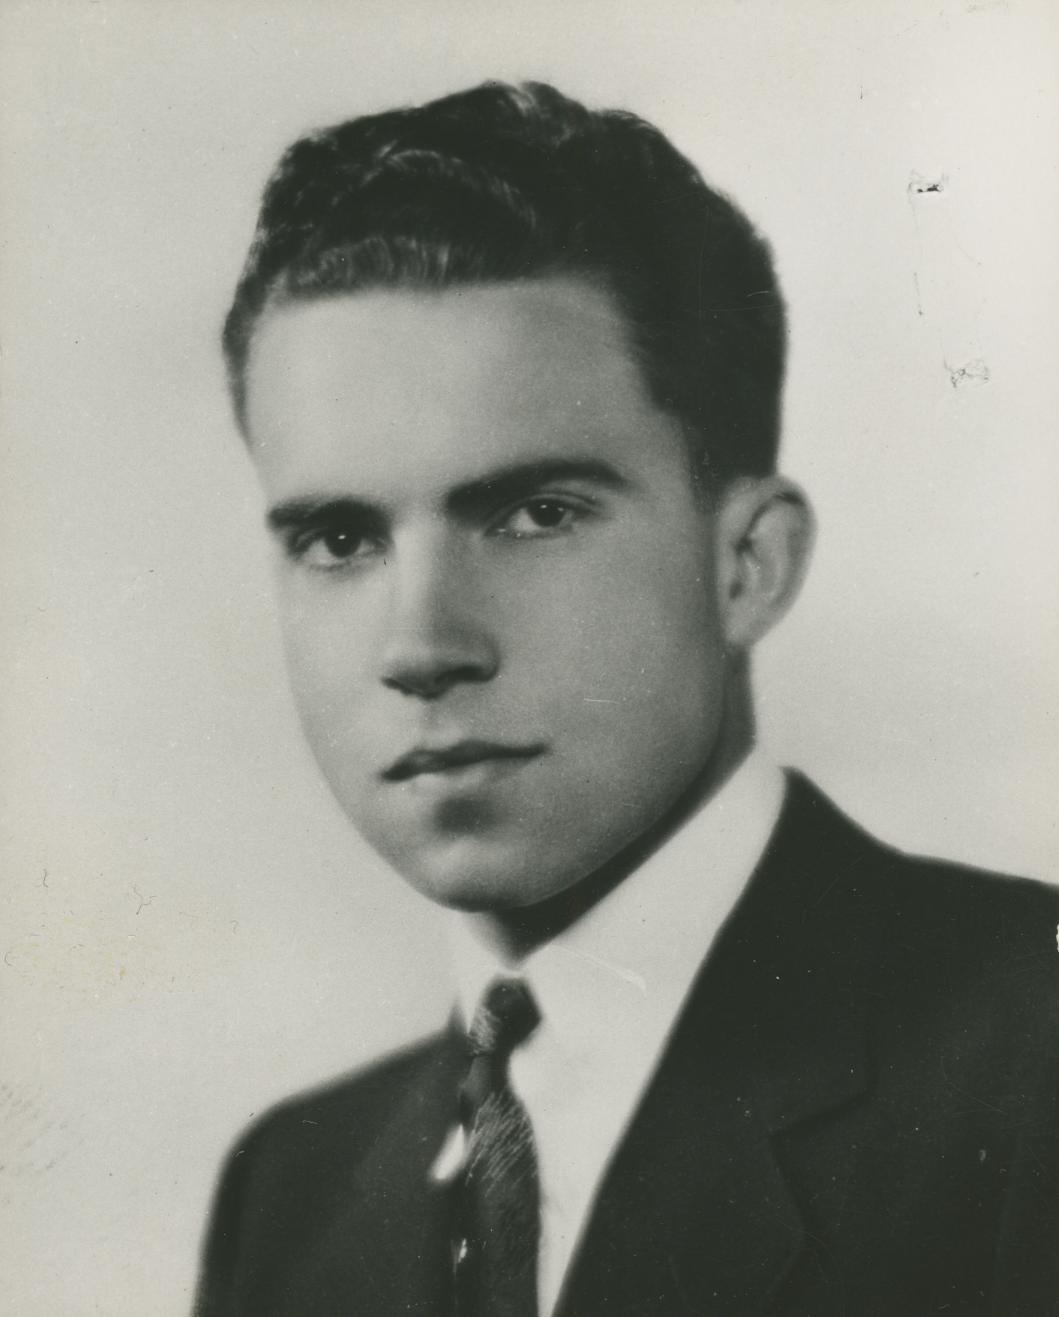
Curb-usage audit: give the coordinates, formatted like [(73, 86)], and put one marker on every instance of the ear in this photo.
[(765, 529)]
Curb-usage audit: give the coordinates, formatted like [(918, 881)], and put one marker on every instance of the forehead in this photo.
[(439, 386)]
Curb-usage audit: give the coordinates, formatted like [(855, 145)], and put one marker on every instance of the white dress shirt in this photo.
[(609, 989)]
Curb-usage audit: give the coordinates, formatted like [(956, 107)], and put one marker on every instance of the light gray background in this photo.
[(189, 929)]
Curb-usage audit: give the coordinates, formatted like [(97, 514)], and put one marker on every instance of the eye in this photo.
[(331, 547), (544, 515)]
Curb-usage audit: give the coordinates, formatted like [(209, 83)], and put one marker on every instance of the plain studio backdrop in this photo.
[(190, 929)]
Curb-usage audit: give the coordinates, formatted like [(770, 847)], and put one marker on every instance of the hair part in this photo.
[(502, 183)]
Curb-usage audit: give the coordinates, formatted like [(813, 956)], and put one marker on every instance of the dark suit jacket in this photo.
[(856, 1114)]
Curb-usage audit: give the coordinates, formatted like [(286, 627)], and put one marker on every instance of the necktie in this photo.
[(495, 1253)]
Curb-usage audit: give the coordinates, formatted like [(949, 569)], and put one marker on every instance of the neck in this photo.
[(513, 934)]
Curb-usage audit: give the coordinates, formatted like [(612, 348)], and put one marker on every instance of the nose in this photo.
[(437, 635)]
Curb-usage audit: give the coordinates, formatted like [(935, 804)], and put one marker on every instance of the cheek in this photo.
[(327, 659), (646, 610), (638, 641)]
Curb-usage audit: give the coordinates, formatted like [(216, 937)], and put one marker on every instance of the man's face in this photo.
[(497, 579)]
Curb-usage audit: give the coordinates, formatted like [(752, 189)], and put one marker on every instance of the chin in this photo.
[(477, 879), (474, 892)]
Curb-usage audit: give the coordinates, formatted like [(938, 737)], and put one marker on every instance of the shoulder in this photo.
[(293, 1170), (347, 1111), (929, 894), (315, 1142), (933, 929), (304, 1167)]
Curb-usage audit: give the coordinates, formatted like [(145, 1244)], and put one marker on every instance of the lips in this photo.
[(463, 754)]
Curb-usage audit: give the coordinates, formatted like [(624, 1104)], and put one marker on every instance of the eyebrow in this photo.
[(295, 513), (500, 486), (512, 482)]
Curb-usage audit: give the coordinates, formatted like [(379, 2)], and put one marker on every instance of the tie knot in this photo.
[(506, 1016)]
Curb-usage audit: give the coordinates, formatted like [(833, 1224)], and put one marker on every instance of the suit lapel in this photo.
[(695, 1213)]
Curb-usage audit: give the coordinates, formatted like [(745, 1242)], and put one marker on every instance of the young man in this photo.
[(510, 374)]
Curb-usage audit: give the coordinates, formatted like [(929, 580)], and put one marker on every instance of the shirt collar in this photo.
[(633, 956)]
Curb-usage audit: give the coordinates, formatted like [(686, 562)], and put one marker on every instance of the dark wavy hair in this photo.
[(502, 183)]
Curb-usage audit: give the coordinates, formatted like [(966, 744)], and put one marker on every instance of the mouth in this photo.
[(453, 759)]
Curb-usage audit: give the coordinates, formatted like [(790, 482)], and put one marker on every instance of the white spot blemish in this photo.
[(629, 976), (449, 1160)]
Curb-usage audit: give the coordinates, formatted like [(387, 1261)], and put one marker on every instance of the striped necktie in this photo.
[(498, 1221)]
